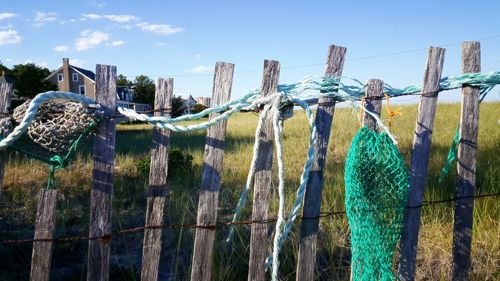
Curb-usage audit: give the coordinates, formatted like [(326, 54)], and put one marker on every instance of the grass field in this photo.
[(23, 179)]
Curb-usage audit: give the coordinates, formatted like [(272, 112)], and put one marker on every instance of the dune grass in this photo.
[(24, 177)]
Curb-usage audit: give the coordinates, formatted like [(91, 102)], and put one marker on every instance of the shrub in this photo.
[(180, 164)]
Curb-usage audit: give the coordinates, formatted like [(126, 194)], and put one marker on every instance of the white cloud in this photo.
[(4, 16), (200, 69), (8, 26), (44, 18), (198, 56), (78, 62), (89, 39), (162, 44), (115, 18), (116, 43), (163, 29), (97, 4), (9, 37), (61, 48)]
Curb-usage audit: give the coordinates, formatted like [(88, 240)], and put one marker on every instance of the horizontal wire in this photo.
[(322, 64), (225, 224)]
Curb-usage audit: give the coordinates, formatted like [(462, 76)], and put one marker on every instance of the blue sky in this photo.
[(184, 39)]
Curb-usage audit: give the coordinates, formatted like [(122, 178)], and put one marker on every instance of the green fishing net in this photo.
[(376, 183), (57, 130)]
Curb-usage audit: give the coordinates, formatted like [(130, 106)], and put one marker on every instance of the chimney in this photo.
[(65, 84)]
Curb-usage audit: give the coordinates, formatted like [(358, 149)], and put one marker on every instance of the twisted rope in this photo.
[(296, 93)]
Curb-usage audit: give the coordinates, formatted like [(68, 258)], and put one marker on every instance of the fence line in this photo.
[(227, 223), (100, 233)]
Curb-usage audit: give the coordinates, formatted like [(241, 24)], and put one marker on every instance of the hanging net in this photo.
[(376, 182), (56, 131)]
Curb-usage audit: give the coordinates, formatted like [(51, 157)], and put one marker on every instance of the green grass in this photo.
[(23, 179)]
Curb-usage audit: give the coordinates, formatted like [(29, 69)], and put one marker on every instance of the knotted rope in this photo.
[(280, 103)]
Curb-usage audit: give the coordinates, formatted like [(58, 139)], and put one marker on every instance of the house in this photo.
[(188, 104), (125, 98), (70, 78), (5, 79), (205, 101)]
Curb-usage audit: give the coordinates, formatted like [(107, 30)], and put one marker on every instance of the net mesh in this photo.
[(376, 182), (56, 130)]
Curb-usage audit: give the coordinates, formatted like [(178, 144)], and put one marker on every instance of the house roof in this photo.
[(121, 91), (6, 79), (87, 73)]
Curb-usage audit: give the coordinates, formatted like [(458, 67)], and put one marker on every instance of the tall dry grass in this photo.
[(24, 177)]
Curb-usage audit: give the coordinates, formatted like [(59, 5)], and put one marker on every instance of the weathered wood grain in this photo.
[(157, 182), (419, 162), (6, 90), (41, 258), (466, 166), (262, 180), (211, 178), (306, 264), (374, 95), (102, 177)]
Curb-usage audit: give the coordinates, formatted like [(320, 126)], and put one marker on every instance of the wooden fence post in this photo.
[(419, 162), (262, 179), (306, 264), (211, 178), (157, 182), (41, 257), (466, 166), (102, 177), (6, 90), (374, 95)]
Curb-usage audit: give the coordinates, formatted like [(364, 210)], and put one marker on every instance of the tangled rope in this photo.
[(281, 103)]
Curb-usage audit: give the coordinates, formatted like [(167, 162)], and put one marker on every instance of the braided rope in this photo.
[(287, 93)]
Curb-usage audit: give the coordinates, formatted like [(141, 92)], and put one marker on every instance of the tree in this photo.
[(177, 106), (29, 80), (144, 89), (122, 81)]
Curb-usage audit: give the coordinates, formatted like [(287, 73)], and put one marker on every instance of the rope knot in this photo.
[(283, 104)]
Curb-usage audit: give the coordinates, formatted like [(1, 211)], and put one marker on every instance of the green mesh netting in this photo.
[(376, 183), (57, 130)]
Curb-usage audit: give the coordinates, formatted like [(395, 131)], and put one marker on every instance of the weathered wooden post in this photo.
[(306, 264), (6, 90), (211, 177), (157, 182), (41, 258), (102, 177), (374, 95), (466, 166), (419, 162), (262, 179)]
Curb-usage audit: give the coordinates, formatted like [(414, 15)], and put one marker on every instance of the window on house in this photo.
[(59, 77), (81, 89), (75, 76)]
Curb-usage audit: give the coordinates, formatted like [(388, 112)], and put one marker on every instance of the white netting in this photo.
[(57, 123)]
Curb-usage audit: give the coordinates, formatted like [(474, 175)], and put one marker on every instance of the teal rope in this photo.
[(453, 152), (452, 155), (296, 92)]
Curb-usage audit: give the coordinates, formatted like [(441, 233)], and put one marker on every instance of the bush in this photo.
[(180, 164), (198, 108)]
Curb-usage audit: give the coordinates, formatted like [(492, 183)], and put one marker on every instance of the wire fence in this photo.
[(107, 238)]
